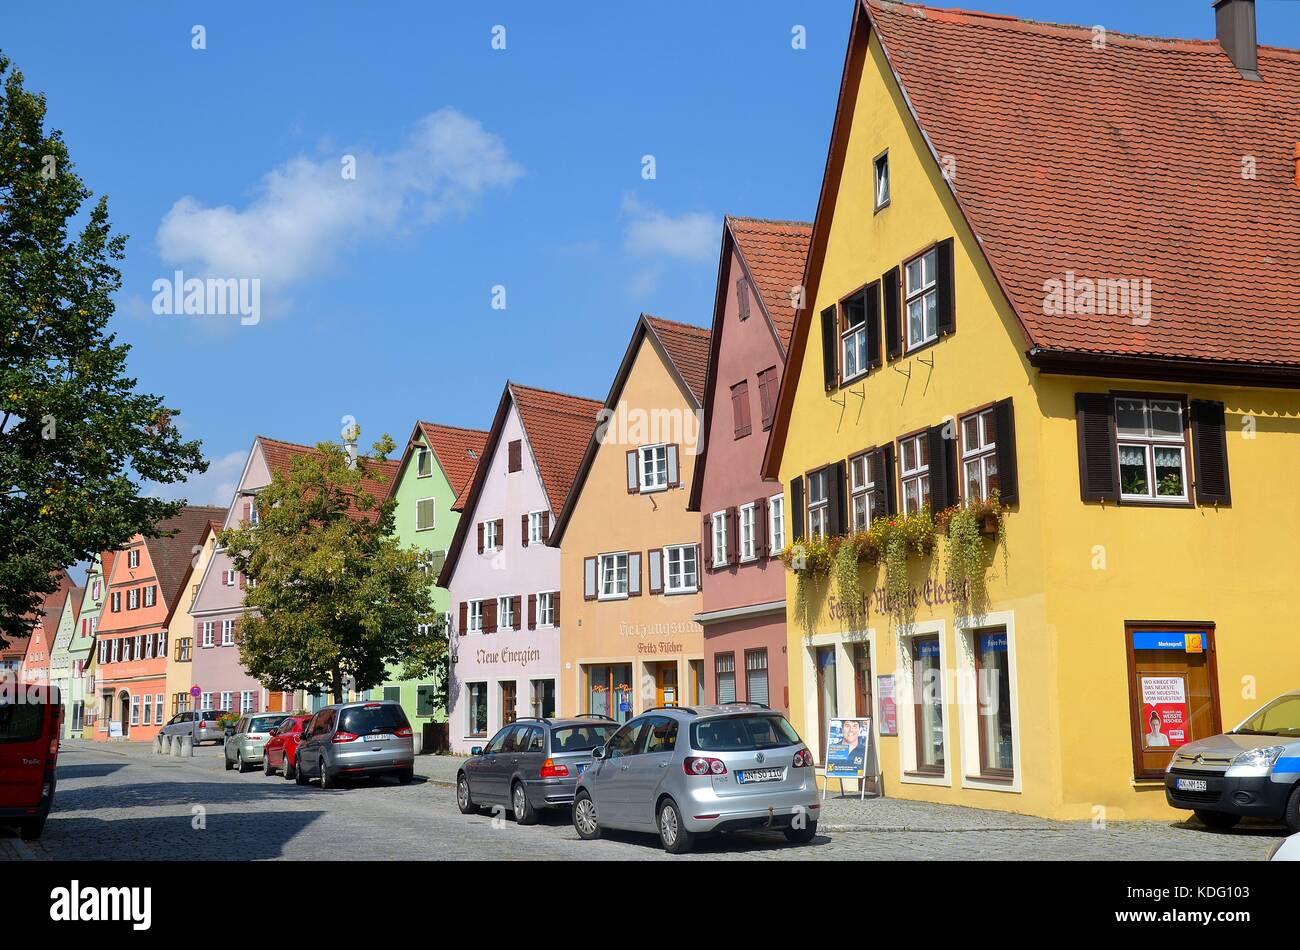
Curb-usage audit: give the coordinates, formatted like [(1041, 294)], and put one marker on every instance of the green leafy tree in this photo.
[(76, 438), (332, 596)]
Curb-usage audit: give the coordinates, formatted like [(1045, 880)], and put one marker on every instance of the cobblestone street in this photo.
[(121, 802)]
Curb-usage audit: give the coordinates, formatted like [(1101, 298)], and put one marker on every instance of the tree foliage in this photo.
[(76, 437), (331, 595)]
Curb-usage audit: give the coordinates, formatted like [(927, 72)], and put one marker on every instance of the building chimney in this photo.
[(1234, 25), (350, 446)]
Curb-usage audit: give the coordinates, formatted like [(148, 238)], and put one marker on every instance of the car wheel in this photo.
[(585, 821), (326, 781), (266, 764), (464, 801), (672, 830), (801, 835), (243, 766), (1217, 819), (1292, 816), (300, 776), (525, 813), (289, 770), (406, 776), (29, 829), (229, 765)]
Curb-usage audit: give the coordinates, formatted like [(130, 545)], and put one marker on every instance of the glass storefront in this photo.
[(609, 690), (993, 703), (927, 685)]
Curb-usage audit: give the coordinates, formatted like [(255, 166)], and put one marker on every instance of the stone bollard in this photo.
[(176, 746), (158, 745), (186, 746)]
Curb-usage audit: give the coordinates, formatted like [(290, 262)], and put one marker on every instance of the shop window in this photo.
[(993, 704), (827, 696), (696, 669), (927, 703), (542, 698), (1173, 691), (477, 709), (862, 681), (609, 691)]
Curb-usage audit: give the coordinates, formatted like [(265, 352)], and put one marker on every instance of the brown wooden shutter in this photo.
[(706, 543), (733, 541), (891, 480), (532, 611), (1210, 453), (830, 349), (633, 480), (555, 608), (590, 578), (874, 358), (892, 307), (490, 615), (945, 290), (1004, 427), (768, 390), (480, 537), (516, 604), (796, 508), (464, 617), (242, 583), (248, 512), (1098, 462), (760, 527), (740, 409), (239, 631), (516, 455), (523, 530), (546, 526), (943, 469)]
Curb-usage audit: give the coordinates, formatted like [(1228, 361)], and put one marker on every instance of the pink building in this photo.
[(502, 577), (743, 519)]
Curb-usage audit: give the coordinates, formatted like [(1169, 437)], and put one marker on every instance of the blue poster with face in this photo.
[(846, 748)]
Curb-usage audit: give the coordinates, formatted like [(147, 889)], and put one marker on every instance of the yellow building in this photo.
[(629, 549), (1028, 275)]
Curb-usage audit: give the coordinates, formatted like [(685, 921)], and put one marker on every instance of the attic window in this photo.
[(424, 463), (882, 180), (742, 298)]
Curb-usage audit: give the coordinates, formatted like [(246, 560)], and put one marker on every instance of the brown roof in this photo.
[(458, 451), (688, 347), (280, 455), (1122, 163), (558, 428), (172, 553), (775, 253)]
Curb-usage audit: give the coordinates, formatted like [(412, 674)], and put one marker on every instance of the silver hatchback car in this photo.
[(683, 771), (353, 740), (244, 748)]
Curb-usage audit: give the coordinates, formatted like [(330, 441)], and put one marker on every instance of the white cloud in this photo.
[(652, 233), (216, 486), (305, 212)]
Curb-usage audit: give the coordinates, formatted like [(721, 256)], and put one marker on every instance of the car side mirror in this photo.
[(477, 750), (273, 732), (598, 752)]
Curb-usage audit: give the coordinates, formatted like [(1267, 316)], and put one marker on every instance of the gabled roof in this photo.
[(172, 553), (280, 455), (684, 349), (556, 427), (774, 253), (1119, 163), (457, 451)]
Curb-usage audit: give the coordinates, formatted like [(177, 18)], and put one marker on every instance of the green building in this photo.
[(436, 469)]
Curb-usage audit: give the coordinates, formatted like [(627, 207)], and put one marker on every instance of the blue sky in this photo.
[(476, 167)]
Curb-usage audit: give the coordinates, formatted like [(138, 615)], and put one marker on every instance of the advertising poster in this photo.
[(888, 706), (846, 748), (1164, 711)]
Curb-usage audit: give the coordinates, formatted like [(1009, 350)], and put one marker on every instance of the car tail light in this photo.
[(403, 733), (803, 759), (345, 737), (551, 770), (702, 765)]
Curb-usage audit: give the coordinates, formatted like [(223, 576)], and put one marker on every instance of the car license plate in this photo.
[(750, 776), (376, 738), (1190, 784)]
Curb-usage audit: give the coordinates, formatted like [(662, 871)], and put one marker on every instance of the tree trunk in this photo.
[(337, 685)]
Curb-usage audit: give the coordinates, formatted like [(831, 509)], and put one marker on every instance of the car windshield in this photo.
[(743, 733), (21, 722), (1281, 717), (264, 723), (372, 720), (580, 738)]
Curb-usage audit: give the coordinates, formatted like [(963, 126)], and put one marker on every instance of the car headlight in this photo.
[(1255, 761)]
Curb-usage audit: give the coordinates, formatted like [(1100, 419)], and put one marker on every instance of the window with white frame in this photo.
[(819, 510), (748, 538), (135, 710), (148, 648), (246, 701), (535, 527), (95, 591), (914, 454), (505, 613), (853, 338), (776, 523), (114, 651), (133, 598), (161, 647), (882, 180), (490, 538), (158, 707), (1152, 449), (653, 467), (227, 633), (150, 595), (206, 701), (148, 710), (423, 463), (979, 456), (227, 702), (613, 575), (682, 574), (208, 629), (861, 487), (546, 609), (230, 577), (474, 616), (719, 539), (922, 300), (424, 514), (133, 558)]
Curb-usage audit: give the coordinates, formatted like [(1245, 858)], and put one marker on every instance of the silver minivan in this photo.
[(682, 771), (353, 740)]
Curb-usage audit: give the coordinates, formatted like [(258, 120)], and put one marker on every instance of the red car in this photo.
[(281, 752), (29, 749)]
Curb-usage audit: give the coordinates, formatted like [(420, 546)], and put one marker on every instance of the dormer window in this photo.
[(423, 463), (882, 180)]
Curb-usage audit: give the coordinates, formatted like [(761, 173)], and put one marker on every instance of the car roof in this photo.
[(712, 711)]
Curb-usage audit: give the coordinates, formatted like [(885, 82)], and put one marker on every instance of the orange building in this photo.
[(147, 578)]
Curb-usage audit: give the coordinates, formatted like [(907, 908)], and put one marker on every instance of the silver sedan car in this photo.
[(682, 771), (244, 748)]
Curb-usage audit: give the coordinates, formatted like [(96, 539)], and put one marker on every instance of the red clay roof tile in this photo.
[(688, 347), (458, 451), (559, 427), (775, 253)]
